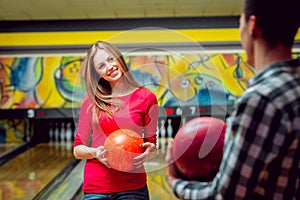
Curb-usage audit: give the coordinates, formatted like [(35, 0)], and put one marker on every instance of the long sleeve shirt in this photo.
[(139, 113)]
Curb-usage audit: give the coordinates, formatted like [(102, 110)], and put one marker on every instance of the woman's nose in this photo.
[(110, 65)]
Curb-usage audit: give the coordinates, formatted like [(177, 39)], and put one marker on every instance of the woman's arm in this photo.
[(84, 152), (81, 149), (151, 111)]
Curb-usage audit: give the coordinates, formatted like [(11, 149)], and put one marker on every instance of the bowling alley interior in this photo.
[(187, 52)]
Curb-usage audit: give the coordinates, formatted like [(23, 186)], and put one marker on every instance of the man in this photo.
[(262, 152)]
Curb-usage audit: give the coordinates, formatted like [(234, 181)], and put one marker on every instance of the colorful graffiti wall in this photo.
[(176, 79), (54, 81)]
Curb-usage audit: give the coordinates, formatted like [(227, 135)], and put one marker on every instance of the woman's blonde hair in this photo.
[(98, 89)]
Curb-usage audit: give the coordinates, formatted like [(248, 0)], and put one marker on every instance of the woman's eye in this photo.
[(110, 59), (101, 66)]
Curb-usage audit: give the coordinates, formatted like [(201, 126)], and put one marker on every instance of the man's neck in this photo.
[(266, 55)]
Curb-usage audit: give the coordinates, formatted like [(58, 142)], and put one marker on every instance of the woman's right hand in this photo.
[(101, 156)]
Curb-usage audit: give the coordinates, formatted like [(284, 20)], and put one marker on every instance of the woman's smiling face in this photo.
[(107, 67)]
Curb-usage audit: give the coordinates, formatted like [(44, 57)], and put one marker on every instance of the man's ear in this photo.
[(252, 26)]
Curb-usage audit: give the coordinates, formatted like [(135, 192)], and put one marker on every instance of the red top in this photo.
[(140, 114)]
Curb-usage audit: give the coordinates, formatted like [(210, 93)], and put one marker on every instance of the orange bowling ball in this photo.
[(198, 148), (123, 146)]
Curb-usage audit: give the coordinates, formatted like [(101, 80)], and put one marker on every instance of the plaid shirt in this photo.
[(262, 153)]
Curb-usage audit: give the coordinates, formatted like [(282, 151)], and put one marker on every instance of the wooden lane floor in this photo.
[(28, 173)]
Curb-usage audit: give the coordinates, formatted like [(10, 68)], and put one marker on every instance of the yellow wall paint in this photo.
[(119, 37), (134, 36)]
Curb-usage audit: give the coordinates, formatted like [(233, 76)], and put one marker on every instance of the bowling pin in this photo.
[(69, 133), (169, 129), (62, 132), (162, 135), (56, 132), (51, 133)]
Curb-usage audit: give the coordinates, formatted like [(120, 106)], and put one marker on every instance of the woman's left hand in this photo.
[(149, 153)]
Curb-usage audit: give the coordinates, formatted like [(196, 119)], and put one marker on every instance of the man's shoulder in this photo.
[(276, 89)]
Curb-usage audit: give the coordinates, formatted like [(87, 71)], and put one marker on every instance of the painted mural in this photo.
[(53, 82), (176, 79)]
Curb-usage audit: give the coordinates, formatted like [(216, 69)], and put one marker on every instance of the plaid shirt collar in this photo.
[(268, 71)]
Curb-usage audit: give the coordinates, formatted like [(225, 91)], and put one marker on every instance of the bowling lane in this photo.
[(28, 173)]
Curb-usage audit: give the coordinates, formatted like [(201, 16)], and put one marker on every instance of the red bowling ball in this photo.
[(198, 148), (123, 146)]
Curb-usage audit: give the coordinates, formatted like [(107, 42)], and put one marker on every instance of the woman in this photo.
[(114, 101)]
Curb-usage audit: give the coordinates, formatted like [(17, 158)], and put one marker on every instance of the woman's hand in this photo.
[(101, 156), (149, 153)]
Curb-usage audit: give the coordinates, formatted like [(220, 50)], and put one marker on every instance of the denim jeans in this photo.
[(139, 194)]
